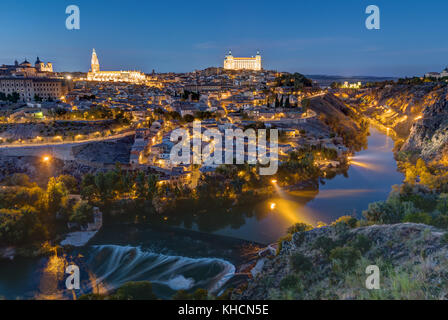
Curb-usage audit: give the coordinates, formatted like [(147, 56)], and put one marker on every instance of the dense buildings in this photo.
[(115, 76), (437, 75), (238, 63)]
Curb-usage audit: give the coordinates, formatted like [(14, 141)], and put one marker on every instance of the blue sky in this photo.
[(307, 36)]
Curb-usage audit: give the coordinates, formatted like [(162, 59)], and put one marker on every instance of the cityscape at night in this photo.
[(252, 152)]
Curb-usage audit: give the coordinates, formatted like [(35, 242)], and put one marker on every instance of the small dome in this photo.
[(37, 61)]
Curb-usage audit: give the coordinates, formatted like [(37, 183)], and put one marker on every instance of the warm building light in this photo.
[(273, 205), (46, 159), (274, 181)]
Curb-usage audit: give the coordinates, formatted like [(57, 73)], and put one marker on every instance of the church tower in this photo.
[(95, 63)]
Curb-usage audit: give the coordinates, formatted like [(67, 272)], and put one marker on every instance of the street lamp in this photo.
[(46, 159)]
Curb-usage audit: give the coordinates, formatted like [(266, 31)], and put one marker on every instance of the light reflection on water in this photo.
[(370, 177)]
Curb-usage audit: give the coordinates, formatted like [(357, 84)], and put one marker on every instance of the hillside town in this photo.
[(113, 104)]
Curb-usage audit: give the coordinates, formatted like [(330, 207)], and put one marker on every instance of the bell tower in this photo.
[(95, 64)]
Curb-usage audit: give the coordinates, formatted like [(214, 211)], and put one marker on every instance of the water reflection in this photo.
[(370, 177)]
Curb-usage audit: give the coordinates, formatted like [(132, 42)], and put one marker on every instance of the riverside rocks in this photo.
[(413, 253)]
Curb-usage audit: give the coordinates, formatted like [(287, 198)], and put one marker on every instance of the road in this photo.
[(65, 143)]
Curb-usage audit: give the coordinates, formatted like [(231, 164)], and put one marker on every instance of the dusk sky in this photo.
[(311, 37)]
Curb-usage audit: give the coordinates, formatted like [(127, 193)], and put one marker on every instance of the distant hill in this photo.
[(326, 80)]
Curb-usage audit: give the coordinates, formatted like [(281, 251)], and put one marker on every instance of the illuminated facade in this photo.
[(234, 63), (112, 76)]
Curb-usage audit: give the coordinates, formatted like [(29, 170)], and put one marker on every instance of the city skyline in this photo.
[(172, 38)]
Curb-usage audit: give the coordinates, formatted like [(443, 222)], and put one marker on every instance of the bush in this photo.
[(325, 244), (362, 243), (82, 213), (348, 220), (181, 295), (419, 217), (299, 227), (300, 263), (199, 294), (382, 212), (444, 239), (280, 241), (344, 258), (289, 282), (441, 221), (136, 291), (20, 179)]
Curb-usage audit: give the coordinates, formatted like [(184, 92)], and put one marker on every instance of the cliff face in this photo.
[(429, 135), (330, 263), (417, 113), (340, 118)]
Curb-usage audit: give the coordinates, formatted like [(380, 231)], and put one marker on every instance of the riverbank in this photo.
[(331, 262)]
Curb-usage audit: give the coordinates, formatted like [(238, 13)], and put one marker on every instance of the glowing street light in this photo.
[(273, 205), (274, 181), (46, 159)]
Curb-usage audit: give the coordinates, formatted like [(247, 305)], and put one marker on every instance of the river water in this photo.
[(181, 259), (370, 177)]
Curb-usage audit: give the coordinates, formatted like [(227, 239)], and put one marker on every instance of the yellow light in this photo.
[(46, 158), (273, 205), (274, 181)]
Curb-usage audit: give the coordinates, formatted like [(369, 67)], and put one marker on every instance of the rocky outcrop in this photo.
[(418, 114), (429, 135), (412, 260)]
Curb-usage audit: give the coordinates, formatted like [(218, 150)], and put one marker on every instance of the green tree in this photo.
[(82, 213), (56, 196)]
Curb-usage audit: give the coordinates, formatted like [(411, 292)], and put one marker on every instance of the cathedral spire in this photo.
[(95, 64)]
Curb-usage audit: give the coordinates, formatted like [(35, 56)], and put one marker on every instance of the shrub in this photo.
[(382, 212), (82, 213), (300, 263), (348, 220), (200, 294), (182, 295), (280, 241), (362, 243), (325, 244), (441, 221), (419, 217), (136, 291), (289, 282), (444, 239), (344, 258), (299, 227)]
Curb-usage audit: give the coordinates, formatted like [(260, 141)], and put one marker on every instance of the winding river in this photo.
[(182, 259)]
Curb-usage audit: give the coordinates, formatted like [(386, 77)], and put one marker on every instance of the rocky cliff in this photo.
[(331, 262), (417, 113)]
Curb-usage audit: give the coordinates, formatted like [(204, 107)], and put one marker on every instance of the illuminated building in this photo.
[(237, 63), (347, 85), (113, 76), (29, 88), (26, 69)]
